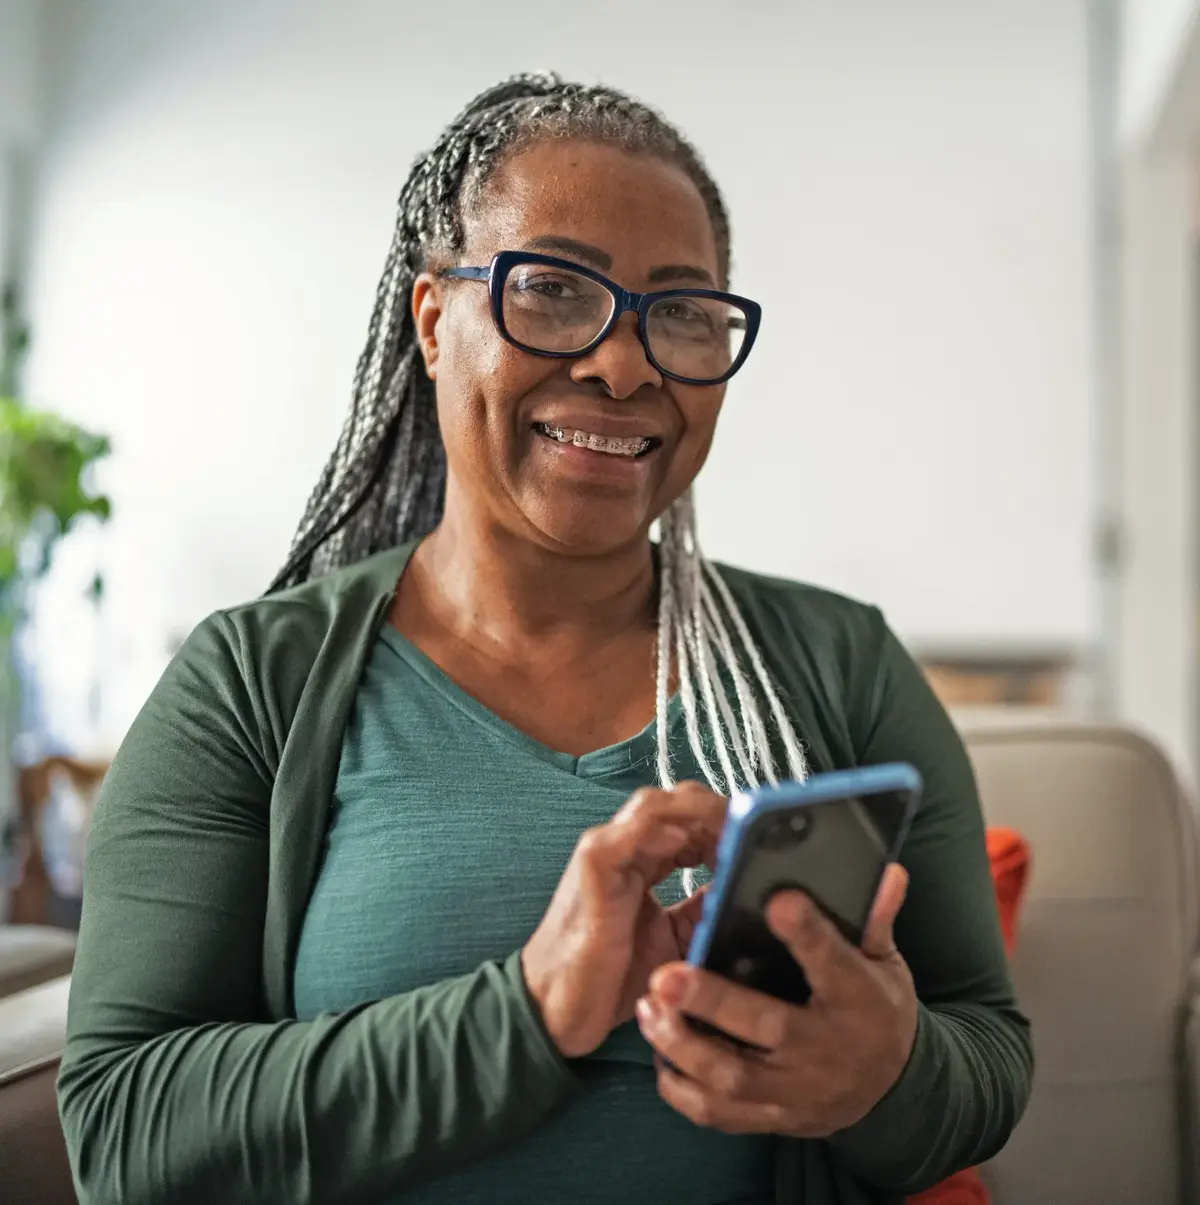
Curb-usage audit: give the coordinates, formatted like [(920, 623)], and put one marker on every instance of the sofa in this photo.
[(31, 954), (1105, 966), (33, 1159)]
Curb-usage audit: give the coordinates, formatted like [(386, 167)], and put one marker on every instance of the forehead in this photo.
[(641, 209)]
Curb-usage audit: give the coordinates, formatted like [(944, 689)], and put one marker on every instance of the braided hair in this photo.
[(384, 484)]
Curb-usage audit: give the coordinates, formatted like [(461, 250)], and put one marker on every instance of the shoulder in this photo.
[(827, 653), (783, 612), (252, 663), (297, 622)]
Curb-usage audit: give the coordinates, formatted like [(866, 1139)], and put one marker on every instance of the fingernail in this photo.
[(645, 1011), (674, 986)]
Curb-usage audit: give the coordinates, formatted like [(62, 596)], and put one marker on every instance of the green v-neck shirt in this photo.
[(448, 834), (190, 1073)]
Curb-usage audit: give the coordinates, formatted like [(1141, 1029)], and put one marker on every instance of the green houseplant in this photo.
[(44, 469), (45, 463)]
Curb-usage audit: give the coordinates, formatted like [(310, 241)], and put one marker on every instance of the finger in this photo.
[(878, 941), (708, 1060), (685, 916), (689, 803), (657, 831), (707, 1107), (616, 866), (741, 1012), (701, 811), (831, 964)]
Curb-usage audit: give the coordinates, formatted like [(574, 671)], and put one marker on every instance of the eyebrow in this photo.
[(673, 272), (585, 253), (593, 257)]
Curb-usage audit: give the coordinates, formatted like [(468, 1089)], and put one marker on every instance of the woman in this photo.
[(370, 902)]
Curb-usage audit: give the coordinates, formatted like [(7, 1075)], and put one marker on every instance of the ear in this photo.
[(426, 312)]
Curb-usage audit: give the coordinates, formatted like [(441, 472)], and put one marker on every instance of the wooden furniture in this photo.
[(986, 679), (32, 901)]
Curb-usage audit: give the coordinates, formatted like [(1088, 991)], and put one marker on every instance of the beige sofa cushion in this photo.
[(32, 954), (33, 1024), (1103, 962), (33, 1156)]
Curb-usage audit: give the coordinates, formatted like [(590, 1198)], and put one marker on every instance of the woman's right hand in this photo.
[(605, 932)]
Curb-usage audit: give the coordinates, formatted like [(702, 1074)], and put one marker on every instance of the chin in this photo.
[(592, 535)]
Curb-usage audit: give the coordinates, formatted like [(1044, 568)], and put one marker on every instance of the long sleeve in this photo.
[(969, 1075), (175, 1086)]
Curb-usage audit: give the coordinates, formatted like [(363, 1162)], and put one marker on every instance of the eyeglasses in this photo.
[(553, 307)]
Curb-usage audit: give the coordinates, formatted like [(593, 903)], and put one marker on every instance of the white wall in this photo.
[(18, 99), (1158, 604), (911, 206), (18, 109), (1158, 131), (1154, 34)]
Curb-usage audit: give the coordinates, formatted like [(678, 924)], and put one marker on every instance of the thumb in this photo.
[(878, 940)]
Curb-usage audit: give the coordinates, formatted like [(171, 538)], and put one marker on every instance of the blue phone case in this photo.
[(746, 816)]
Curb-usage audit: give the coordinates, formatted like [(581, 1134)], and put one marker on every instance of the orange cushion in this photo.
[(964, 1188), (1008, 852), (1009, 855)]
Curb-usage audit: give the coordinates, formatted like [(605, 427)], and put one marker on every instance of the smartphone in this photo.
[(831, 837)]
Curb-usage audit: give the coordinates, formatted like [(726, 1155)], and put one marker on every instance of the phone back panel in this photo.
[(831, 839)]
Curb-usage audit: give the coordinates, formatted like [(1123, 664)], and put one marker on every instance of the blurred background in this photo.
[(972, 226)]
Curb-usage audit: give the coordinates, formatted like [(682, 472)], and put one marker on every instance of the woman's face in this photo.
[(641, 222)]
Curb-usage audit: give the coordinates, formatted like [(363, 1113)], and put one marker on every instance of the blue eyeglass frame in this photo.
[(496, 273)]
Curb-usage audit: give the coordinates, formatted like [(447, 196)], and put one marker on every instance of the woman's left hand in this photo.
[(824, 1065)]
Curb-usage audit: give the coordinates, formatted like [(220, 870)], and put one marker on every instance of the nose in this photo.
[(619, 363)]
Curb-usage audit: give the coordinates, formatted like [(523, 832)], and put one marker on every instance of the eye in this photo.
[(681, 309), (550, 285)]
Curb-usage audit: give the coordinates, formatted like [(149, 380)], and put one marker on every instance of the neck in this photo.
[(484, 583)]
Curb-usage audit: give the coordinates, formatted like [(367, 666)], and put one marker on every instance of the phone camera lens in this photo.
[(787, 830), (798, 825)]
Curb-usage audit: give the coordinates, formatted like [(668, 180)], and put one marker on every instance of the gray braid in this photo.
[(384, 484), (695, 611)]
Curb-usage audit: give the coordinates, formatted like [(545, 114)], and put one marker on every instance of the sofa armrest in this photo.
[(1190, 1091), (33, 1025), (33, 1154), (33, 954)]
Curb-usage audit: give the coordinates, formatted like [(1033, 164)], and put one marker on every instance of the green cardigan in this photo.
[(186, 1077)]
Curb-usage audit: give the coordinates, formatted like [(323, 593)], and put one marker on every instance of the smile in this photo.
[(610, 445)]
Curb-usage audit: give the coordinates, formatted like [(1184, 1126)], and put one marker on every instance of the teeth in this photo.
[(613, 445)]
